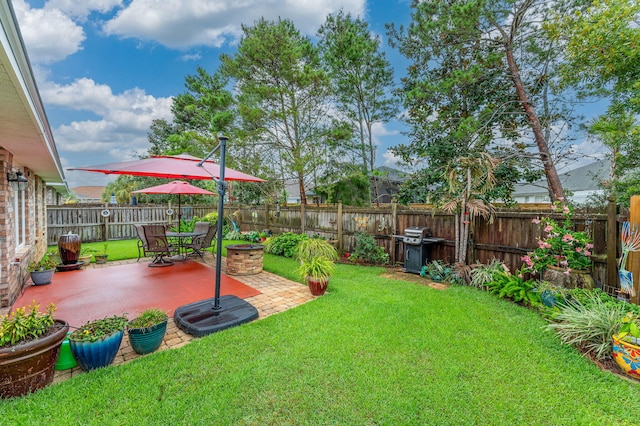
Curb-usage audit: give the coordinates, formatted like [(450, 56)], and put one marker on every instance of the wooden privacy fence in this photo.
[(511, 234), (112, 222), (508, 237)]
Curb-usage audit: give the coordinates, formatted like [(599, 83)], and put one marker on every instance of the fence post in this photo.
[(612, 243), (634, 258), (339, 223), (394, 230), (303, 218), (266, 216), (105, 232)]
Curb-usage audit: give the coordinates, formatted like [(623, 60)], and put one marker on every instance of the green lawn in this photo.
[(371, 351)]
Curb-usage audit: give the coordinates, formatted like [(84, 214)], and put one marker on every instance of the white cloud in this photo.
[(81, 9), (120, 131), (49, 35), (181, 24)]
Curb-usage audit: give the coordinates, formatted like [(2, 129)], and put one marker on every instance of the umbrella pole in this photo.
[(179, 214), (221, 191)]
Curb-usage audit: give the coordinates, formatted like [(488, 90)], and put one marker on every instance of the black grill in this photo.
[(417, 248)]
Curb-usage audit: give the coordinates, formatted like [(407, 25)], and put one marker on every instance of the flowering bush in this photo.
[(560, 246)]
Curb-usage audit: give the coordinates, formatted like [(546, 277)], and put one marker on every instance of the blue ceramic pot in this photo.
[(147, 340), (92, 355)]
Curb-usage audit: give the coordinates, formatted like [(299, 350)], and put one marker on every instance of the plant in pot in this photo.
[(96, 343), (102, 256), (86, 253), (317, 262), (29, 347), (626, 345), (146, 331), (563, 255), (42, 271)]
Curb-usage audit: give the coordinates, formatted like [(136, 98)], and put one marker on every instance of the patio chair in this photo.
[(200, 243), (154, 243), (201, 227), (141, 241)]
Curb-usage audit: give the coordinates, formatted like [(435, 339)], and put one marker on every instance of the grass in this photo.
[(371, 351), (125, 249)]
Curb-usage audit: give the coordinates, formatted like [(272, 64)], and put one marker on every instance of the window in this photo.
[(20, 221)]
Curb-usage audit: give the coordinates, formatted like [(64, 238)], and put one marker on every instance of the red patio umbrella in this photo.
[(202, 317), (176, 187), (183, 166)]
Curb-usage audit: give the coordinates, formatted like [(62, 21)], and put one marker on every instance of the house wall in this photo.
[(13, 260)]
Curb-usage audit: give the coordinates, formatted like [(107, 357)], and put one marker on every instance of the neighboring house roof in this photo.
[(24, 128), (391, 174), (89, 192), (585, 178)]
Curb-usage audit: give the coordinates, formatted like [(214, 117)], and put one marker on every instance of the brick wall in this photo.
[(14, 262)]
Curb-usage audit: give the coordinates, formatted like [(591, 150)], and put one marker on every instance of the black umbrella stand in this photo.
[(210, 315)]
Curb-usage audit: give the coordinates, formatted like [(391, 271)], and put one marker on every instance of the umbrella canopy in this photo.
[(176, 187), (183, 166)]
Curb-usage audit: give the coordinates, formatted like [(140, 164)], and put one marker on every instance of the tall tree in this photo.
[(469, 58), (283, 95), (602, 42), (362, 78)]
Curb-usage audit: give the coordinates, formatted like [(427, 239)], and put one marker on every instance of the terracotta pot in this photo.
[(574, 279), (318, 288), (627, 355), (28, 367)]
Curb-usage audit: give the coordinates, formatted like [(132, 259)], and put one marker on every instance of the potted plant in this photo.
[(86, 253), (317, 257), (42, 271), (563, 255), (101, 257), (626, 345), (96, 343), (146, 331), (29, 346)]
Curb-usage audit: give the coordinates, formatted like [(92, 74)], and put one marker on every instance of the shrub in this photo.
[(484, 274), (367, 249), (516, 288), (284, 244), (590, 325)]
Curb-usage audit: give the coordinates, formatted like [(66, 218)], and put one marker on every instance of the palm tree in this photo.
[(469, 179)]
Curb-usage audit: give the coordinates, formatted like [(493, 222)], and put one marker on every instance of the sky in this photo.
[(106, 68)]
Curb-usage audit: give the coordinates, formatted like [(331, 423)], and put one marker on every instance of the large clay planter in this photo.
[(318, 288), (627, 355), (574, 279), (29, 367), (92, 355), (146, 340), (69, 248)]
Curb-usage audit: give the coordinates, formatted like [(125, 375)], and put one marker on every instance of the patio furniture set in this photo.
[(165, 247)]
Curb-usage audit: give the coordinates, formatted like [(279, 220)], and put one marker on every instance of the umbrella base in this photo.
[(200, 319)]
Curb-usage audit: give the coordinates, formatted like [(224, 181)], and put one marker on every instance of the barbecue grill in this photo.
[(417, 247)]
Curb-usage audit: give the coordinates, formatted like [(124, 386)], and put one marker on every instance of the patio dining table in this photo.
[(182, 239)]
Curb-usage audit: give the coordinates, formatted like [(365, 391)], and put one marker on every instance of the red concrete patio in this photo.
[(130, 287)]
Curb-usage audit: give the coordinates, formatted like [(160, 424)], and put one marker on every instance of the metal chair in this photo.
[(200, 243), (153, 242), (201, 227)]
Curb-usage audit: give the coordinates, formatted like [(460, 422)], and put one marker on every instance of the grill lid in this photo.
[(417, 232)]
